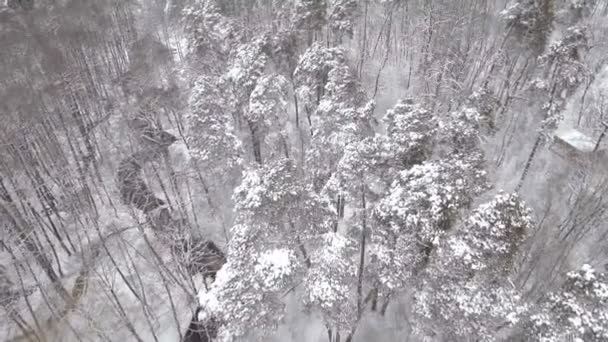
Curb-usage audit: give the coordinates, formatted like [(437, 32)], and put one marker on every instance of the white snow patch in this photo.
[(274, 266), (179, 153), (278, 260), (575, 139), (202, 315), (576, 321)]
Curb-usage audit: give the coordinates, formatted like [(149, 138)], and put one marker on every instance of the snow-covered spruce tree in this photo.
[(421, 205), (578, 311), (530, 21), (308, 16), (373, 162), (246, 295), (366, 168), (331, 283), (458, 135), (411, 130), (341, 124), (266, 117), (343, 115), (312, 21), (311, 17), (341, 17), (466, 292), (369, 164), (360, 178), (459, 139), (414, 211), (486, 103), (211, 36), (246, 66), (210, 133), (267, 254), (311, 74), (274, 194), (258, 97), (424, 201), (285, 52)]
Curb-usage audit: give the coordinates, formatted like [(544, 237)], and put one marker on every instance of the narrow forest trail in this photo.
[(200, 255), (206, 256)]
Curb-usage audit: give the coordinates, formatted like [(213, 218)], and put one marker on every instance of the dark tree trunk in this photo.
[(255, 140)]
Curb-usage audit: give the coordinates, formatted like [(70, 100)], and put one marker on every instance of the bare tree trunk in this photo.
[(255, 140), (18, 226), (364, 42), (361, 256), (388, 47), (85, 133)]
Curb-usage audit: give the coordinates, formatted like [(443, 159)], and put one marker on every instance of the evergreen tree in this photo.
[(466, 292), (578, 310)]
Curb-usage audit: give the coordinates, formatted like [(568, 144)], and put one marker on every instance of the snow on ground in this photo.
[(576, 139)]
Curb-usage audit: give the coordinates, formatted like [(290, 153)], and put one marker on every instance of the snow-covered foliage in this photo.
[(343, 108), (411, 130), (395, 257), (257, 97), (312, 72), (277, 215), (309, 14), (566, 57), (331, 279), (246, 294), (267, 112), (285, 51), (267, 100), (578, 310), (486, 103), (426, 197), (466, 290), (493, 233), (343, 87), (333, 97), (467, 309), (433, 192), (530, 20), (459, 134), (341, 16), (421, 205), (211, 135), (245, 67), (312, 15), (274, 196), (212, 34), (366, 165), (564, 63)]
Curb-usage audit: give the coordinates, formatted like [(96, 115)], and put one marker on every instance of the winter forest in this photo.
[(303, 170)]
